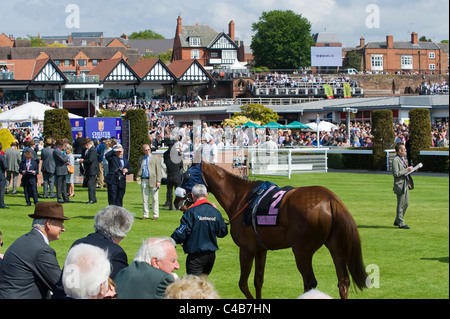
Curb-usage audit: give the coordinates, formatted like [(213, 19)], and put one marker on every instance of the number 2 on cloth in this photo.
[(278, 196)]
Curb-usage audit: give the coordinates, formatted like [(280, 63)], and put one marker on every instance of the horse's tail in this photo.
[(348, 242)]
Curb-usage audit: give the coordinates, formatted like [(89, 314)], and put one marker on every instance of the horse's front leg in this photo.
[(246, 261), (260, 264)]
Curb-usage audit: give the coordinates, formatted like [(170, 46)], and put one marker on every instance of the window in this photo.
[(194, 41), (81, 62), (432, 66), (195, 54), (229, 55), (377, 62), (94, 62), (407, 62), (214, 54), (66, 62), (83, 42), (57, 62), (432, 55)]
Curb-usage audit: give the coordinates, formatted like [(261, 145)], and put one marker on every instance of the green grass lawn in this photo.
[(407, 264)]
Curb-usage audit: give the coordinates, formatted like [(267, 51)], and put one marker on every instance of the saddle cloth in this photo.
[(264, 203)]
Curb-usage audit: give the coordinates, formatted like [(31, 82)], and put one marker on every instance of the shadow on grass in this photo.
[(440, 259)]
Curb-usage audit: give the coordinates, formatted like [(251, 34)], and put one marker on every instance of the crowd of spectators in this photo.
[(433, 88)]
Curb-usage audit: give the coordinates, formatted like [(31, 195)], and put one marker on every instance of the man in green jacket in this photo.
[(148, 276), (401, 184)]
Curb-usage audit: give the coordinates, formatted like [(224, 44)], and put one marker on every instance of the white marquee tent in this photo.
[(32, 111)]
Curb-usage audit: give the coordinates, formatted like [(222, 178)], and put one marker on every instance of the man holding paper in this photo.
[(402, 179)]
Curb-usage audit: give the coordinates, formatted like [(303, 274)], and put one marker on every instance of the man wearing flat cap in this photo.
[(30, 269)]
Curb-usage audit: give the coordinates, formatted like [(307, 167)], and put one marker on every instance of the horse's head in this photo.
[(183, 199)]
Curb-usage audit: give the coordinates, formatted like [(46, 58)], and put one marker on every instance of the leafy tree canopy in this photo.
[(146, 34), (257, 113), (282, 40)]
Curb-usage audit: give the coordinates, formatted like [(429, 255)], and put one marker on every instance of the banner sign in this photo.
[(77, 125), (106, 127), (328, 91), (347, 91)]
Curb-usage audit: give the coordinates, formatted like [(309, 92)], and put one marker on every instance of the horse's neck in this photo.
[(228, 189)]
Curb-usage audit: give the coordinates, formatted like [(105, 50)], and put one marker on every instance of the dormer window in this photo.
[(194, 41)]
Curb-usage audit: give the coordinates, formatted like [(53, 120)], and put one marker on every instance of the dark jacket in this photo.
[(90, 162), (115, 175), (200, 225), (29, 269)]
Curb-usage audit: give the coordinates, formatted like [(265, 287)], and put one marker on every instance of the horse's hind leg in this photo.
[(341, 267), (246, 261), (304, 265)]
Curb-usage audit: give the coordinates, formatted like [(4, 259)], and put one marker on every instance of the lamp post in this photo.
[(349, 110)]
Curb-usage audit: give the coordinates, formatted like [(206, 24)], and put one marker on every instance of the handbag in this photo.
[(70, 168)]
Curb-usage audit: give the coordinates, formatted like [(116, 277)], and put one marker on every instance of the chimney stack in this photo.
[(231, 30), (414, 38), (362, 42), (178, 25), (390, 41)]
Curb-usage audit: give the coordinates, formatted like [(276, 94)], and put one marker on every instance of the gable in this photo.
[(194, 74), (223, 41), (48, 73), (159, 73), (121, 73)]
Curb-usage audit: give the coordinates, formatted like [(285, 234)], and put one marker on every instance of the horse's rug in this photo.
[(264, 203)]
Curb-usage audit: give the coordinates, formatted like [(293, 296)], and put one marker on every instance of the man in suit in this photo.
[(90, 162), (116, 179), (12, 156), (174, 165), (30, 269), (149, 177), (148, 276), (61, 161), (111, 225), (29, 169), (48, 169), (3, 168), (401, 184)]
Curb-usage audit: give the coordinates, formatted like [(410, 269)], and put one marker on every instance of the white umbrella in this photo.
[(33, 111), (323, 126)]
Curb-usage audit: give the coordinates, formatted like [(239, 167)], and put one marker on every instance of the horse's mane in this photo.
[(239, 179)]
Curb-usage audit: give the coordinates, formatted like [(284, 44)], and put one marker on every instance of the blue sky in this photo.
[(347, 18)]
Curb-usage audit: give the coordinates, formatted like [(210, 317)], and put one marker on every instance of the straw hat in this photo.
[(49, 210)]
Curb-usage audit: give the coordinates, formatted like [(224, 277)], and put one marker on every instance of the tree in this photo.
[(383, 136), (258, 113), (282, 40), (57, 125), (139, 136), (145, 35), (419, 132), (353, 61)]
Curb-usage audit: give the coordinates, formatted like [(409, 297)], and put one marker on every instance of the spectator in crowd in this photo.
[(78, 143), (91, 170), (199, 228), (3, 168), (29, 169), (191, 287), (61, 161), (48, 169), (30, 269), (101, 150), (13, 157), (111, 225), (174, 165), (148, 276), (118, 168), (149, 177), (70, 178), (86, 272)]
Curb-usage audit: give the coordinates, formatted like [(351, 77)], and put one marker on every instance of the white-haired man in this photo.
[(86, 272), (148, 276)]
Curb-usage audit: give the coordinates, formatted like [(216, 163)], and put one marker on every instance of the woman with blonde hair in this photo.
[(70, 180)]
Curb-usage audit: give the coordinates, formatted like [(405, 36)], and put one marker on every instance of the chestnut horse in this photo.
[(309, 217)]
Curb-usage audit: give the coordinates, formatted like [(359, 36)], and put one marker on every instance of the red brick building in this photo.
[(411, 56)]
